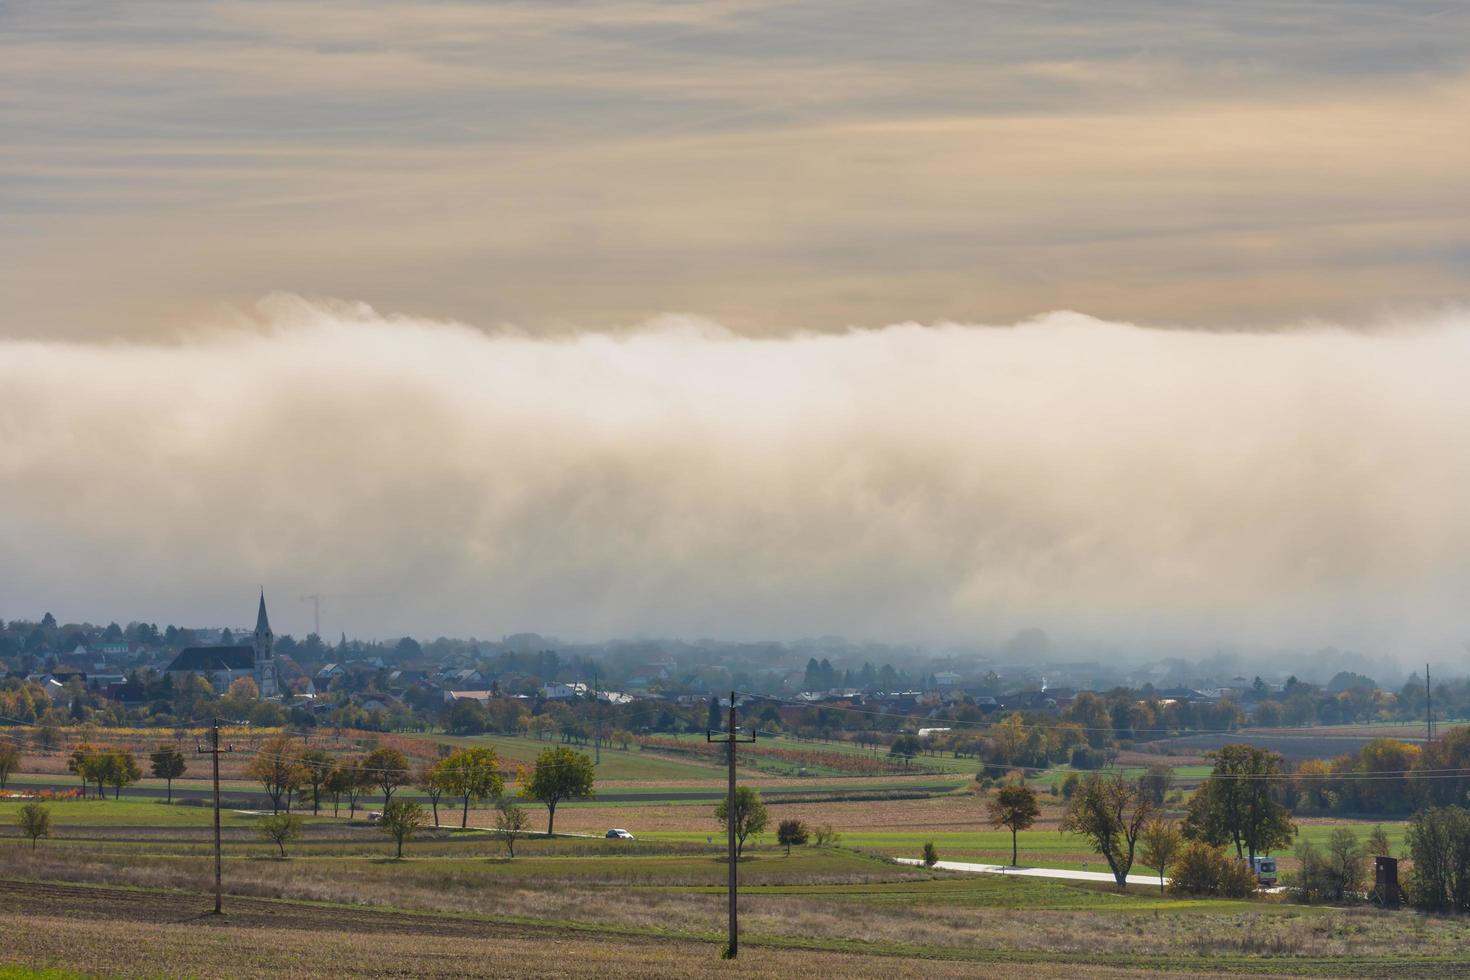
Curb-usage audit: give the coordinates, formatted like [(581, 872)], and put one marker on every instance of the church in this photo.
[(223, 665)]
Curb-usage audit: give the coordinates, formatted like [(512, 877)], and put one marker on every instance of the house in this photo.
[(223, 665), (563, 692), (484, 697)]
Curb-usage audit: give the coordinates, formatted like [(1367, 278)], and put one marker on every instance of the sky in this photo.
[(1136, 321)]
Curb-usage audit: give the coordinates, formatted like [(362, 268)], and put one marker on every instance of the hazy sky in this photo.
[(775, 166), (680, 317)]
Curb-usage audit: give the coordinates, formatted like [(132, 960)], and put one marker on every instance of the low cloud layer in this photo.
[(1110, 483)]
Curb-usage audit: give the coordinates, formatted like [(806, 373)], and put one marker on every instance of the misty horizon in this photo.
[(1118, 486)]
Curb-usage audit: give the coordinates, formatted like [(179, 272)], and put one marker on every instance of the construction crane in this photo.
[(316, 610)]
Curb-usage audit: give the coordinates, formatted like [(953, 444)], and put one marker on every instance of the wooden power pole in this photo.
[(213, 752), (731, 816), (1428, 708)]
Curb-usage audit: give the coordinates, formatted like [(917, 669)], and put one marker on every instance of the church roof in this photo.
[(262, 621), (214, 658)]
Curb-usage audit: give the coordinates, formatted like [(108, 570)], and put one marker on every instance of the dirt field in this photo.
[(134, 933)]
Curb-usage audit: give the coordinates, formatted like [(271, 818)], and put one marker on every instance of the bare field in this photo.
[(157, 934)]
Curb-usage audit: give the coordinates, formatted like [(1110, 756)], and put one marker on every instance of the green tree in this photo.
[(401, 820), (1333, 872), (511, 821), (1014, 808), (426, 781), (1110, 813), (167, 763), (1157, 781), (388, 769), (339, 782), (473, 775), (931, 854), (279, 829), (120, 768), (1439, 843), (791, 833), (1378, 843), (750, 816), (316, 766), (1161, 842), (34, 821), (560, 774), (9, 761), (1240, 803)]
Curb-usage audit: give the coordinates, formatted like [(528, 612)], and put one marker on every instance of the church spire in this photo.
[(262, 621)]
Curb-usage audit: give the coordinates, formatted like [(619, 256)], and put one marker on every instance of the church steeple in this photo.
[(265, 654), (262, 621)]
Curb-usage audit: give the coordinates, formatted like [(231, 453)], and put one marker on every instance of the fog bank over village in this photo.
[(1134, 492)]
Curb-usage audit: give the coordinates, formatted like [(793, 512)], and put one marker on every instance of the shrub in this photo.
[(1088, 758), (825, 836), (1334, 872), (931, 854), (1200, 869)]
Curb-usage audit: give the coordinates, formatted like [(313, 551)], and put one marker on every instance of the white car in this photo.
[(618, 833)]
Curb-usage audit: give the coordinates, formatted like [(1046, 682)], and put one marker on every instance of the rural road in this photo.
[(1002, 869)]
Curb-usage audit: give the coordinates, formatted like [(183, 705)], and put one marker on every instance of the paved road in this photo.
[(1002, 869)]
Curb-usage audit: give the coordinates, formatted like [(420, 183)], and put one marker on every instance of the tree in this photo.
[(1378, 843), (1110, 813), (792, 832), (277, 765), (1014, 808), (750, 816), (279, 829), (1157, 781), (342, 780), (167, 763), (1240, 802), (316, 766), (1439, 844), (561, 773), (243, 689), (427, 781), (401, 819), (1332, 872), (931, 854), (472, 775), (120, 768), (79, 763), (9, 761), (511, 820), (388, 769), (35, 822), (905, 747), (1161, 841)]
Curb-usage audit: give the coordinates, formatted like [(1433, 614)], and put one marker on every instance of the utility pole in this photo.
[(730, 820), (1428, 708), (213, 752)]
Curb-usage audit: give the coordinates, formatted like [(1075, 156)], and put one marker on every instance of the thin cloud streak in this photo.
[(1111, 483)]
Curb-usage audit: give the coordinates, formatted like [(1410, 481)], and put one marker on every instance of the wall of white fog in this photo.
[(1108, 483)]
